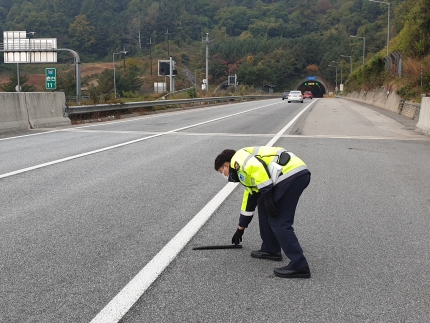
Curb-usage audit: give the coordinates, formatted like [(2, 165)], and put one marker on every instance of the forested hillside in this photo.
[(263, 41)]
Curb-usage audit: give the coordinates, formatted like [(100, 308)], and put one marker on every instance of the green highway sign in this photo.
[(51, 78)]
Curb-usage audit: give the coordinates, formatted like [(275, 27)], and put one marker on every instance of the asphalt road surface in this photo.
[(98, 222)]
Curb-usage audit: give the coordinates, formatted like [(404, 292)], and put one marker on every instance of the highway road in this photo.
[(98, 221)]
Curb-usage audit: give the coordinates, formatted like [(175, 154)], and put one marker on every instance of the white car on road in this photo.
[(295, 96)]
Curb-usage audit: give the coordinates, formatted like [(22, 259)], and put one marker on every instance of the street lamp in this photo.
[(364, 44), (195, 76), (388, 30), (336, 73), (341, 78), (350, 62), (114, 69)]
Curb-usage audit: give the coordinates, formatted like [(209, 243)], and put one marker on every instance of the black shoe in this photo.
[(286, 272), (266, 255)]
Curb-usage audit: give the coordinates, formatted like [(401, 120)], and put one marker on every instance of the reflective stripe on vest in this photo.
[(247, 213)]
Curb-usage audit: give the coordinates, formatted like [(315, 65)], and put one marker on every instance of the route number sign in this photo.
[(51, 78)]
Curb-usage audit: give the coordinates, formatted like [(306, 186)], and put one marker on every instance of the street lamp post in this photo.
[(114, 69), (350, 63), (195, 76), (341, 77), (364, 44), (336, 74), (388, 30)]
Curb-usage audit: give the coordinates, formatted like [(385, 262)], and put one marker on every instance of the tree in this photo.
[(106, 81), (125, 82), (13, 82), (130, 81), (66, 82), (82, 33), (218, 69), (414, 39)]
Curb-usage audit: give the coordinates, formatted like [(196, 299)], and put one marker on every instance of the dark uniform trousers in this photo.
[(277, 232)]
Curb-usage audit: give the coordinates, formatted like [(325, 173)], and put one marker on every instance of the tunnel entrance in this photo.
[(316, 87)]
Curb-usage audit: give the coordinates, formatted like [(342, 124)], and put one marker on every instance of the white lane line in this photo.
[(279, 134), (125, 299), (23, 170), (116, 122)]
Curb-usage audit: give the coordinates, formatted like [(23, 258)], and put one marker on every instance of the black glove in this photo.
[(237, 237), (270, 205)]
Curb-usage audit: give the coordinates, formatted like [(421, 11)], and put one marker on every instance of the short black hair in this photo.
[(225, 156)]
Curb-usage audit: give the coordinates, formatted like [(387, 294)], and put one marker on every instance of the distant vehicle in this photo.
[(295, 96), (285, 95), (308, 94)]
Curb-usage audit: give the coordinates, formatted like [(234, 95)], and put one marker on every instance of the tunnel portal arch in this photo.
[(317, 88)]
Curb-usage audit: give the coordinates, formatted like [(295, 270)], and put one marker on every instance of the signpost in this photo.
[(17, 48), (51, 78), (167, 68)]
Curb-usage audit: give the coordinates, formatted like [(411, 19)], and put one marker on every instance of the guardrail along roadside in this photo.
[(95, 111)]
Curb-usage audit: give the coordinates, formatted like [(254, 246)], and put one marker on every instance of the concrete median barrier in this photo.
[(423, 125), (13, 112), (29, 110), (46, 109)]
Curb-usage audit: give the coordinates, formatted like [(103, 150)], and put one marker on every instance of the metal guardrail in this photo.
[(70, 110)]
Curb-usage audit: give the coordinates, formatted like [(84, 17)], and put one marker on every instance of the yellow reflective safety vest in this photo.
[(258, 169)]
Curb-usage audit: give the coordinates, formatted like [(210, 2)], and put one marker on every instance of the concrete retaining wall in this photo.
[(29, 110), (423, 125), (410, 110), (389, 101)]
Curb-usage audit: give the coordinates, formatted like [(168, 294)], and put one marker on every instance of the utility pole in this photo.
[(114, 69), (172, 79), (124, 51), (206, 42), (168, 42), (150, 52)]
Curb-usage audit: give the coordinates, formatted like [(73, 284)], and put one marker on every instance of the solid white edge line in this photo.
[(128, 296)]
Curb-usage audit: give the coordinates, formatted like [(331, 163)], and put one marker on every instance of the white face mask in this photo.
[(225, 176)]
